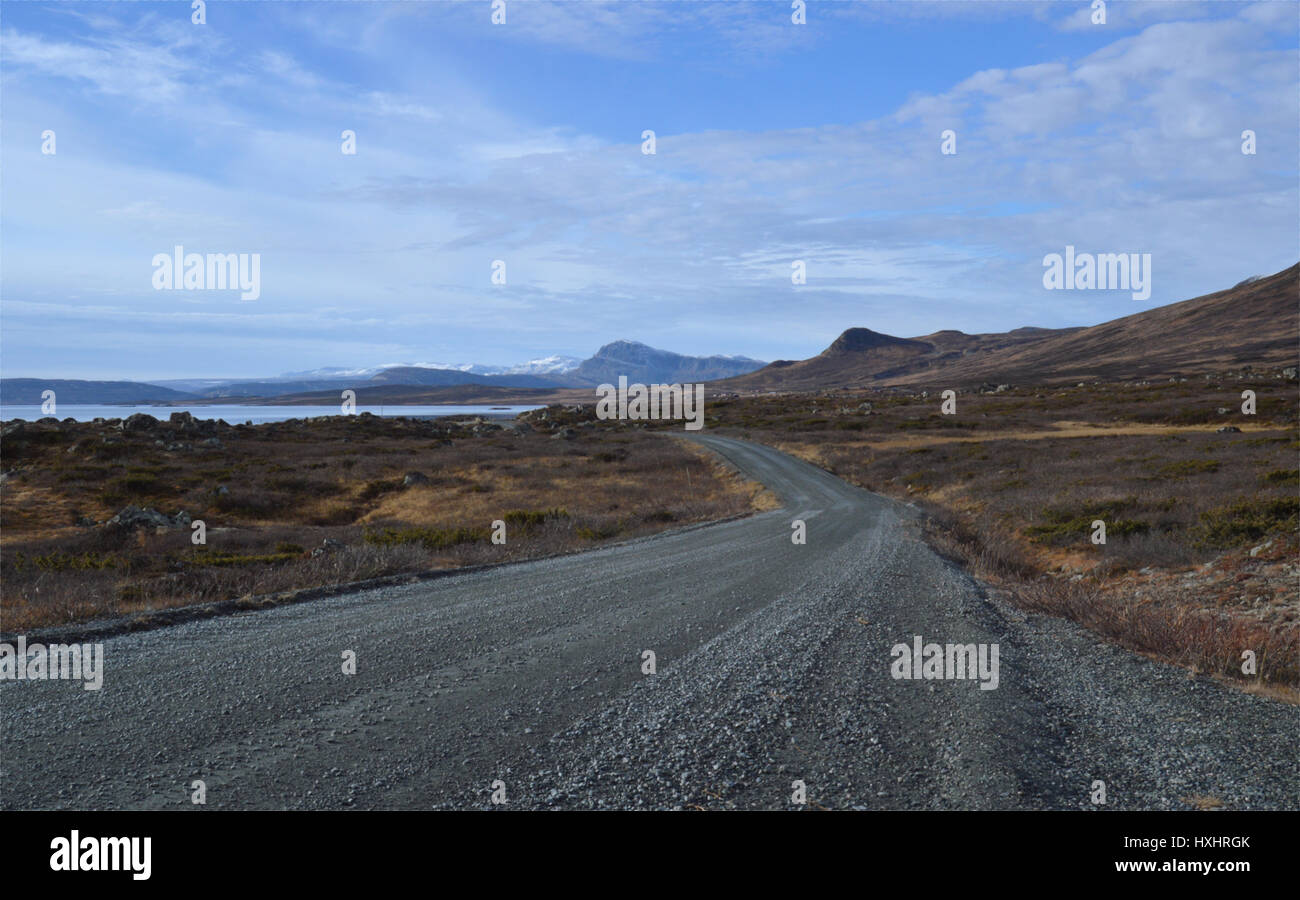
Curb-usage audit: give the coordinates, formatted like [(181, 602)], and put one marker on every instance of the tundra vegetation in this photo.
[(1201, 503), (97, 519), (1201, 555)]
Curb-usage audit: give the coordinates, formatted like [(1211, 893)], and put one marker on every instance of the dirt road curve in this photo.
[(773, 667)]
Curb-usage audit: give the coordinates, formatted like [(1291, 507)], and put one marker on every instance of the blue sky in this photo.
[(522, 142)]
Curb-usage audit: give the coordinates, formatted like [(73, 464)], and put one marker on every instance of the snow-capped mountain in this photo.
[(549, 365), (630, 358)]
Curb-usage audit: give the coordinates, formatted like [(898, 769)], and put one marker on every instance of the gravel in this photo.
[(773, 666)]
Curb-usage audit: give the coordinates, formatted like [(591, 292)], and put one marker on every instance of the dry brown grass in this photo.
[(1013, 482), (290, 488)]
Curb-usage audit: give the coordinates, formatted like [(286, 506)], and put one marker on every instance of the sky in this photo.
[(522, 143)]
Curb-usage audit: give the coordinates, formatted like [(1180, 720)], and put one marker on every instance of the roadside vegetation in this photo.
[(318, 502), (1201, 555), (1201, 503)]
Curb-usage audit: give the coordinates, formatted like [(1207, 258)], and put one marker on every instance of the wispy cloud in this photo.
[(229, 140)]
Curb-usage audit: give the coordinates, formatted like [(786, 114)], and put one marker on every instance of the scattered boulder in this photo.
[(139, 422), (132, 517), (567, 434)]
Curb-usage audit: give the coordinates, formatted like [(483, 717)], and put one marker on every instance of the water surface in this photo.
[(237, 414)]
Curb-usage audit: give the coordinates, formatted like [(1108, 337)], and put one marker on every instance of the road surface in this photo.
[(773, 668)]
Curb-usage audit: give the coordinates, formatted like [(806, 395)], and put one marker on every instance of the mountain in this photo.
[(274, 388), (27, 391), (416, 375), (552, 379), (452, 395), (544, 376), (337, 372), (387, 375), (861, 356), (538, 373), (548, 365), (647, 365), (1254, 323)]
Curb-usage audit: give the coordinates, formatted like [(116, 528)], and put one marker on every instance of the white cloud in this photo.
[(1132, 147)]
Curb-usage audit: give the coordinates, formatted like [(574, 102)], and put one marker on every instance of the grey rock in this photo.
[(139, 422), (131, 517)]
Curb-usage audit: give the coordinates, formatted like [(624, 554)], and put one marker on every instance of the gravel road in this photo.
[(774, 666)]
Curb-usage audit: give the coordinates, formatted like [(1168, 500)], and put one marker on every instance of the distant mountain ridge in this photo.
[(1255, 323), (547, 365), (635, 360), (631, 358), (28, 391), (641, 363), (415, 375)]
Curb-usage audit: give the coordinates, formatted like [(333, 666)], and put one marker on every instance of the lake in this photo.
[(237, 414)]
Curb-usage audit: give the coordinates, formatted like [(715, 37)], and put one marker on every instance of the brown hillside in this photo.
[(1255, 324)]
